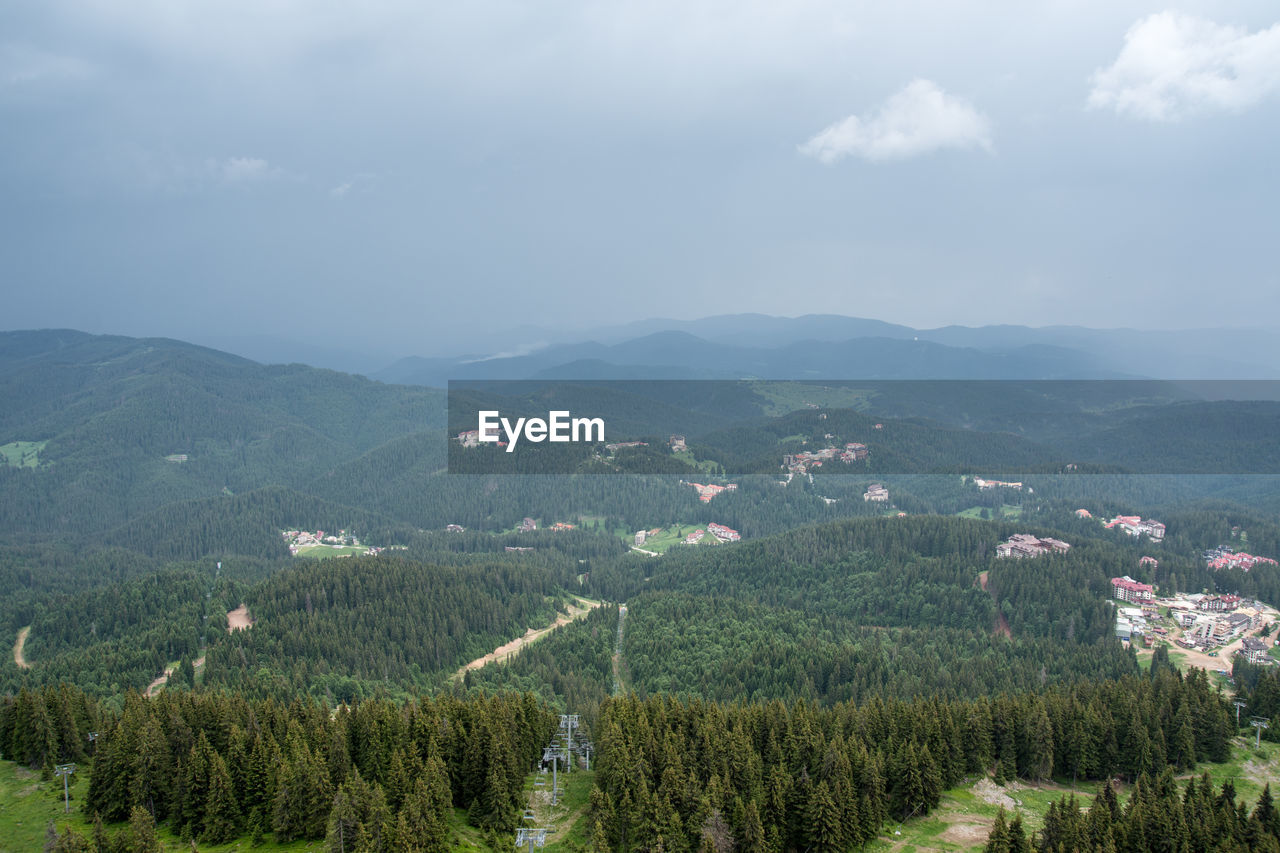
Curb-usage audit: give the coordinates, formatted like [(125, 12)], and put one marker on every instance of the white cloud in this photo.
[(1174, 65), (341, 190), (920, 119), (244, 170)]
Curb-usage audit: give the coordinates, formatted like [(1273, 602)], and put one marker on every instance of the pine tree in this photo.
[(141, 837), (150, 771), (221, 812), (998, 838), (599, 840), (1265, 813), (70, 842), (752, 829), (101, 841), (822, 817), (1018, 842), (343, 820)]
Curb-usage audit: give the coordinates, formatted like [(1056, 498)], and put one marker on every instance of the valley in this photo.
[(954, 647)]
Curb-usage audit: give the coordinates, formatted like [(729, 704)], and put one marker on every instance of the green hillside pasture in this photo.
[(22, 454), (321, 552)]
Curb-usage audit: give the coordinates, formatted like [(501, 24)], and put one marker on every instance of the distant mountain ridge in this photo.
[(833, 346), (680, 355)]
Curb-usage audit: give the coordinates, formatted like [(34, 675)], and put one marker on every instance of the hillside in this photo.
[(130, 425)]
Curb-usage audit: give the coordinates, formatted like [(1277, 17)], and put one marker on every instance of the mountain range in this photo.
[(838, 347)]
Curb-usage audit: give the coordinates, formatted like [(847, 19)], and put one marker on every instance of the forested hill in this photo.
[(120, 426)]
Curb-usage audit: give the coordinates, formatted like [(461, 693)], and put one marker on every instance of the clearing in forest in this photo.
[(239, 618), (18, 657), (506, 650)]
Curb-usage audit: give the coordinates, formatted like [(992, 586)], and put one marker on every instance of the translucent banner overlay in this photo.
[(996, 431)]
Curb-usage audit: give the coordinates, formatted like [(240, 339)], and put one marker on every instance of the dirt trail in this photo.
[(239, 618), (162, 680), (1002, 624), (506, 650), (159, 682), (616, 660), (18, 657)]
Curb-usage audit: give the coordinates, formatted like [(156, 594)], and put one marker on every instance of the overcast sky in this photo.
[(393, 175)]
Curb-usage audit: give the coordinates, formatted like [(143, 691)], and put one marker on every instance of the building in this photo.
[(1230, 626), (1149, 561), (471, 437), (695, 537), (709, 491), (1218, 603), (614, 448), (641, 535), (1135, 525), (1024, 545), (724, 534), (1225, 558), (455, 528), (1255, 651), (983, 485), (1127, 589), (677, 444), (528, 525), (876, 492), (1083, 513)]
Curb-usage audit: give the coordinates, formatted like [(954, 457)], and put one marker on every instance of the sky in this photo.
[(401, 177)]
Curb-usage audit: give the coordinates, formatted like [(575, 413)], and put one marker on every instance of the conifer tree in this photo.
[(822, 818), (141, 837), (221, 812)]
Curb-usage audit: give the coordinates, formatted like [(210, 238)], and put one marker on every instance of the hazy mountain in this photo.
[(678, 354), (740, 345)]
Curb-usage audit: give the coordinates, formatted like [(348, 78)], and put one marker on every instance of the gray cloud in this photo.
[(572, 163)]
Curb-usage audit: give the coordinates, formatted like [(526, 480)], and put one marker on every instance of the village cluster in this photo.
[(1202, 622), (300, 541), (1226, 558), (1134, 525), (720, 532), (805, 460), (710, 490)]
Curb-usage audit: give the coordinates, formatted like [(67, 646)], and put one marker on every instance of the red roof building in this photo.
[(1127, 589)]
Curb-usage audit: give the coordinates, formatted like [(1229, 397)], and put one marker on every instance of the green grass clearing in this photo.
[(320, 552), (670, 537), (1005, 511), (784, 397), (22, 454)]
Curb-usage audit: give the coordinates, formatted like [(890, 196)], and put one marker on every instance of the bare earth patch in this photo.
[(990, 792), (239, 618), (1262, 773), (506, 650), (968, 833), (18, 657)]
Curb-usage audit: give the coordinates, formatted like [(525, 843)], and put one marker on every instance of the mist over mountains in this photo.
[(832, 346)]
